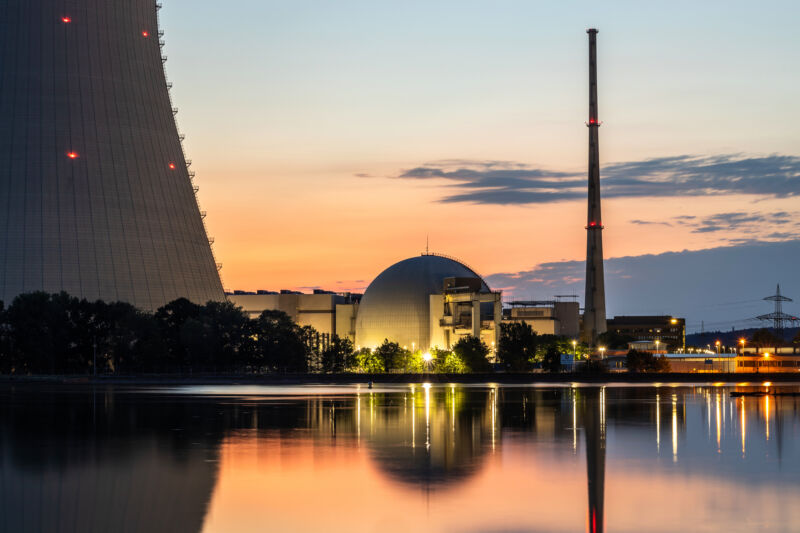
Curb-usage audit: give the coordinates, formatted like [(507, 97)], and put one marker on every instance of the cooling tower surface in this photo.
[(95, 194)]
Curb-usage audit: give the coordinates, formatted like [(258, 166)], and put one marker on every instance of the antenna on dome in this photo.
[(427, 241)]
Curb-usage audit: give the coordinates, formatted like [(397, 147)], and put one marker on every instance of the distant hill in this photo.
[(731, 337)]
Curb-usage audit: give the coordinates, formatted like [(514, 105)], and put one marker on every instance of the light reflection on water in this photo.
[(398, 458)]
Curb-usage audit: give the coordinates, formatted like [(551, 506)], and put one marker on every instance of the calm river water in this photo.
[(401, 458)]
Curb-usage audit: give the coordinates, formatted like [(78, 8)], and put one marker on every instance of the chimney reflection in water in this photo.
[(595, 431)]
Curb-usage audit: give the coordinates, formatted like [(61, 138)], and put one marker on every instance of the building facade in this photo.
[(425, 302), (546, 317), (327, 312), (670, 332)]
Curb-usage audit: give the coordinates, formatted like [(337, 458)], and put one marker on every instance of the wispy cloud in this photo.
[(508, 182), (765, 225)]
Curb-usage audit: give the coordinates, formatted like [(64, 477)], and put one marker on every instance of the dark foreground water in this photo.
[(406, 459)]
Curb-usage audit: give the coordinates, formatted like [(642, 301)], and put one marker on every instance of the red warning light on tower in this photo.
[(72, 155), (171, 166), (66, 20), (145, 33)]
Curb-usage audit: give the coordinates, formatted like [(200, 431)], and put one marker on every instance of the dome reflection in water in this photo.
[(400, 458)]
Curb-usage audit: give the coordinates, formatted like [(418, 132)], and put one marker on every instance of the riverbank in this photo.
[(346, 379)]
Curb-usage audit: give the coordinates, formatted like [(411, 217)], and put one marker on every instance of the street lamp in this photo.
[(426, 359), (717, 345), (574, 347), (657, 343), (602, 352)]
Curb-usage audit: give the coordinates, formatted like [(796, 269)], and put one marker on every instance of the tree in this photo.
[(517, 346), (593, 366), (613, 340), (393, 356), (473, 352), (278, 343), (552, 360), (764, 338), (337, 354), (637, 361), (171, 319), (367, 360), (447, 362)]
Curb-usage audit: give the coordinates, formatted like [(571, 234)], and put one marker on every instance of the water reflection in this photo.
[(422, 458)]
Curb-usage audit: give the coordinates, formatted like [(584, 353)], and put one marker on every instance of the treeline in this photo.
[(44, 333)]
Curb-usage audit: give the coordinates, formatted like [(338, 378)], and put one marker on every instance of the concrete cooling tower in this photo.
[(96, 198)]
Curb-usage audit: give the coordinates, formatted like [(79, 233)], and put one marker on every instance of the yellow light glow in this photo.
[(673, 321), (767, 383), (427, 357)]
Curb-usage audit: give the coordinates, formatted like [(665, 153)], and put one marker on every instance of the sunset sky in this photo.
[(330, 138)]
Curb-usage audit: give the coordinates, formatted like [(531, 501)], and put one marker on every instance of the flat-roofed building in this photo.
[(668, 330), (327, 312), (546, 317)]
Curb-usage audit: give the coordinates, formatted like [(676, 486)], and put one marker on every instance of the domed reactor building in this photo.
[(425, 302), (95, 194)]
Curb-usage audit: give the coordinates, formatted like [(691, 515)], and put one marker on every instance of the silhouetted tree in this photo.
[(613, 340), (517, 346), (279, 344), (336, 356), (472, 351), (764, 338), (171, 319), (552, 359), (637, 361)]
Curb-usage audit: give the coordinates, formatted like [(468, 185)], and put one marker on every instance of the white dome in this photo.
[(396, 305)]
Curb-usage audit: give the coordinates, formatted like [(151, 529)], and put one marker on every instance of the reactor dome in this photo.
[(396, 305)]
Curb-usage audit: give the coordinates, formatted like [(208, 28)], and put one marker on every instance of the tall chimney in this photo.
[(594, 315)]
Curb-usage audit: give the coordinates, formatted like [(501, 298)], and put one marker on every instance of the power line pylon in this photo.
[(778, 317)]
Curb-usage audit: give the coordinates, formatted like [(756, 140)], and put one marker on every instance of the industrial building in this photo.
[(327, 312), (546, 317), (426, 301), (420, 303), (96, 196), (670, 332)]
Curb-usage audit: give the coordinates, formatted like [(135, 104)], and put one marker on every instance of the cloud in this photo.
[(721, 287), (764, 225), (508, 182), (649, 223)]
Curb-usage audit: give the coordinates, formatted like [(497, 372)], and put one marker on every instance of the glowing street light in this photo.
[(427, 357), (602, 352), (657, 344)]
